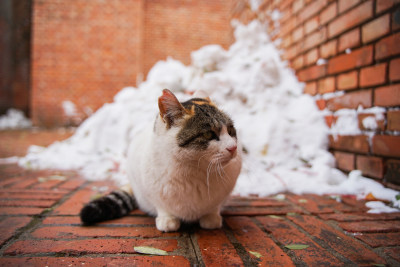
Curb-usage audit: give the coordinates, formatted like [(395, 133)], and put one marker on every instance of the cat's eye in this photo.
[(232, 131), (210, 135)]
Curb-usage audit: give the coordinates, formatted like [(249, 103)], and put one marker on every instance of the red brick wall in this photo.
[(368, 76), (86, 51), (177, 27)]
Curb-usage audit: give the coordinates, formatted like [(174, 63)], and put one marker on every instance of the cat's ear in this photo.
[(201, 94), (170, 108)]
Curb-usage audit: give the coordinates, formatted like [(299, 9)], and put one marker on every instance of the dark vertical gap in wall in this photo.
[(15, 54)]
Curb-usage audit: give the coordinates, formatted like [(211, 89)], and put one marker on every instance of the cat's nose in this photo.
[(232, 149)]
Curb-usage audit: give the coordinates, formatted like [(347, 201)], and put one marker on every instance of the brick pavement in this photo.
[(40, 227)]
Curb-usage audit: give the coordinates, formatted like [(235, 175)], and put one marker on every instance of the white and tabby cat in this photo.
[(182, 168)]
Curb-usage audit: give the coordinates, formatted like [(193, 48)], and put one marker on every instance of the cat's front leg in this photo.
[(166, 222), (211, 220)]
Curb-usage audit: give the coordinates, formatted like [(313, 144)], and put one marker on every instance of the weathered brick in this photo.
[(370, 166), (392, 174), (350, 19), (382, 5), (393, 120), (347, 4), (97, 261), (380, 239), (388, 46), (394, 70), (338, 241), (326, 85), (297, 5), (30, 195), (258, 202), (321, 103), (287, 234), (313, 8), (254, 211), (297, 34), (347, 80), (386, 145), (358, 143), (88, 246), (357, 58), (216, 249), (388, 96), (351, 100), (374, 75), (357, 217), (20, 211), (328, 49), (255, 240), (10, 225), (311, 25), (26, 203), (328, 13), (344, 161), (71, 184), (311, 88), (320, 204), (376, 28), (97, 231), (314, 39), (298, 62), (311, 56), (370, 226), (48, 184), (393, 252), (312, 73), (349, 40)]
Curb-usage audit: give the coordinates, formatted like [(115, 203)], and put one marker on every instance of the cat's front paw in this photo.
[(211, 221), (167, 223)]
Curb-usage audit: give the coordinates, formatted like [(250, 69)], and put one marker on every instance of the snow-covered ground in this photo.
[(281, 128)]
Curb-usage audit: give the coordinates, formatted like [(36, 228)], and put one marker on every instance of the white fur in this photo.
[(180, 184)]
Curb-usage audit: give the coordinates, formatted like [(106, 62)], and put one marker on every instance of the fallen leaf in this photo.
[(296, 246), (255, 253), (150, 251), (302, 200), (370, 197)]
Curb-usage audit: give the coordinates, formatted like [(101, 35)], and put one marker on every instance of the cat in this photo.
[(183, 167)]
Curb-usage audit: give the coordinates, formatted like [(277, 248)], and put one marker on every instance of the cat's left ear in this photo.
[(170, 108)]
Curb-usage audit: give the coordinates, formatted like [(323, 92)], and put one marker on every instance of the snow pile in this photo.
[(14, 119), (282, 130)]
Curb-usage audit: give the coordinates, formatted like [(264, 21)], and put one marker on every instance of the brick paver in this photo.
[(40, 226)]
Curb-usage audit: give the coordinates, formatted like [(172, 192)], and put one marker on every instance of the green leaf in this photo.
[(255, 253), (302, 200), (296, 246), (398, 197), (150, 251)]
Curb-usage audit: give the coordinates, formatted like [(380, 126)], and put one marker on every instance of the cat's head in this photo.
[(202, 130)]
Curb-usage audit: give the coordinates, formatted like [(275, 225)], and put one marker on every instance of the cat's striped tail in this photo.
[(116, 204)]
